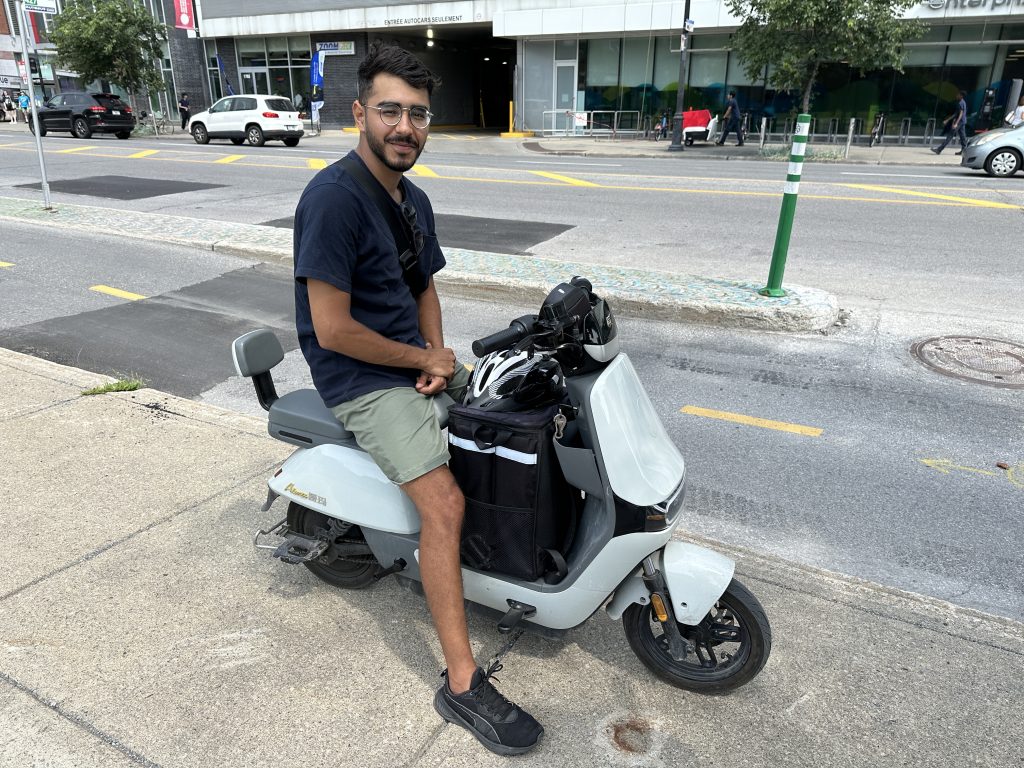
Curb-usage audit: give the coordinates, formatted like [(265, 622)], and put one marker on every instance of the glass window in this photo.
[(277, 50), (637, 61), (279, 105), (565, 50), (707, 70), (280, 82), (538, 82), (211, 53), (243, 105), (215, 88), (967, 33), (603, 62), (737, 74), (929, 56), (971, 55), (708, 41), (251, 52), (1013, 31), (224, 105), (299, 48), (936, 34), (666, 64)]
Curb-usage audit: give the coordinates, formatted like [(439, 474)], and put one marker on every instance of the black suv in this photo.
[(85, 114)]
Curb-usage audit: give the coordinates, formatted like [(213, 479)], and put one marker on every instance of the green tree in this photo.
[(795, 37), (115, 40)]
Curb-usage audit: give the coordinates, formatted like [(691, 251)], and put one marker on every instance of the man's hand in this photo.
[(438, 368)]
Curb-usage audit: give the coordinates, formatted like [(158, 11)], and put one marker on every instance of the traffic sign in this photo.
[(41, 6)]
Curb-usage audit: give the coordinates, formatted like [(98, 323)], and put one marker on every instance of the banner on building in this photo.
[(184, 15), (316, 86), (224, 76)]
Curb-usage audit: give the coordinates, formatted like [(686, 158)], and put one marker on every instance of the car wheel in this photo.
[(123, 134), (291, 142), (1003, 162), (254, 135), (199, 134), (237, 142), (81, 128), (32, 128)]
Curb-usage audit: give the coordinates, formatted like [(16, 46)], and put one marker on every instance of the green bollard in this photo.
[(782, 235)]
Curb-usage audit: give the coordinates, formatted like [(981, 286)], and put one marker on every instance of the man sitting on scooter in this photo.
[(377, 355)]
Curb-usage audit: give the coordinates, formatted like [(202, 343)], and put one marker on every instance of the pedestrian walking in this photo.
[(1015, 119), (24, 105), (731, 118), (184, 110), (958, 127), (7, 107)]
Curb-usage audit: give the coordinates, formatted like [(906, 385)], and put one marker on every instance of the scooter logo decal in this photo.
[(308, 495)]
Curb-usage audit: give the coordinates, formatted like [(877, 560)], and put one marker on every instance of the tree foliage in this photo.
[(115, 40), (795, 37)]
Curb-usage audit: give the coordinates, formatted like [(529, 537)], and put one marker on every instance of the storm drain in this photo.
[(986, 361)]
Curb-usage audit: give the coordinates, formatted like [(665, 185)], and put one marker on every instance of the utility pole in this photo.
[(677, 130), (25, 27)]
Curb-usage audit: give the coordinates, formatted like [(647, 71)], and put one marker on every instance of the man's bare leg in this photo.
[(441, 507)]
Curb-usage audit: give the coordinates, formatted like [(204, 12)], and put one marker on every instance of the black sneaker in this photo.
[(501, 726)]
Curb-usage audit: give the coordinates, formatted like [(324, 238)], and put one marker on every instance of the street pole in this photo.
[(677, 129), (25, 27), (788, 210)]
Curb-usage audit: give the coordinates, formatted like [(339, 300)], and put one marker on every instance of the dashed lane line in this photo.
[(424, 172), (752, 421), (74, 149), (144, 153), (4, 264), (229, 159), (567, 179), (116, 292), (315, 164), (951, 198)]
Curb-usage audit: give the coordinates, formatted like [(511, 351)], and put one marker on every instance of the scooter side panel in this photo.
[(572, 606), (696, 578), (346, 484)]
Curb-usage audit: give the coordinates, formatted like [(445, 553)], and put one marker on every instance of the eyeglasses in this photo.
[(416, 235), (391, 114)]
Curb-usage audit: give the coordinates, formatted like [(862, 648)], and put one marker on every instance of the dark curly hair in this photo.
[(392, 60)]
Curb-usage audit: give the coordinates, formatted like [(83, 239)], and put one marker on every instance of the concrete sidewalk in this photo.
[(140, 627), (477, 274)]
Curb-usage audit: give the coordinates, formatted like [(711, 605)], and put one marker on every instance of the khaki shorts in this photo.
[(399, 429)]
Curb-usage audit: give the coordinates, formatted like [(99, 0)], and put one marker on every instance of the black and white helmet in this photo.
[(512, 381)]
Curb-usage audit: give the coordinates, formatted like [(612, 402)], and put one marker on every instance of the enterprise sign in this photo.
[(992, 5), (415, 20)]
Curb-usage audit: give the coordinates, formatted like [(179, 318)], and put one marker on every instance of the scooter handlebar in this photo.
[(516, 332)]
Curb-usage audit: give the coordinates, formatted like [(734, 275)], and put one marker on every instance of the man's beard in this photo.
[(379, 148)]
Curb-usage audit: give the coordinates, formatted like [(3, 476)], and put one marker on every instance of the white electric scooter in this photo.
[(685, 616)]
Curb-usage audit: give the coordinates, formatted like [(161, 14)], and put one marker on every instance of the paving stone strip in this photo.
[(478, 274)]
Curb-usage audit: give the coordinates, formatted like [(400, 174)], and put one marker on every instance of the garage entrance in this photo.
[(476, 72)]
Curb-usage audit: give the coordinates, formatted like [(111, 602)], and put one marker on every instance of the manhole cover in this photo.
[(986, 361)]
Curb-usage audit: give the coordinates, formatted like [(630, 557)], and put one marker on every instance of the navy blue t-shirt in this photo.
[(341, 238)]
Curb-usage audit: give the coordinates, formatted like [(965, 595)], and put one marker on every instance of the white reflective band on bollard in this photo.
[(803, 129), (791, 187), (795, 169), (799, 149)]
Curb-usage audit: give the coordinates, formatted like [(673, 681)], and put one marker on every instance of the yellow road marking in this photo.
[(952, 198), (565, 179), (752, 421), (144, 153), (427, 173), (315, 165), (945, 466), (73, 149), (6, 264), (229, 159), (116, 292)]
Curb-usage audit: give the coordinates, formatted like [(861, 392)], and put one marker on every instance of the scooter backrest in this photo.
[(256, 352)]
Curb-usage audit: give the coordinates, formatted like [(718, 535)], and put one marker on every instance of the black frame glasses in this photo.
[(419, 117), (414, 232)]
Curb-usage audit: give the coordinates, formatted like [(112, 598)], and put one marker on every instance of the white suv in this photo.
[(251, 118)]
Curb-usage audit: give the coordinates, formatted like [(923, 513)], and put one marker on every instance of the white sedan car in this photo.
[(252, 118)]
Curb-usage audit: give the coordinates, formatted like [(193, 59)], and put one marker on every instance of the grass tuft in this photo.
[(121, 385)]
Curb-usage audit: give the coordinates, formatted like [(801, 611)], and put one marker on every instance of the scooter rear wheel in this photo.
[(349, 573), (729, 647)]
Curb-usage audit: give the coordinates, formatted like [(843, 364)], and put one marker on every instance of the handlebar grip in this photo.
[(500, 340)]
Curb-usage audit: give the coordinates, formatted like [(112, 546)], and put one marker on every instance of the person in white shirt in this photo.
[(1016, 118)]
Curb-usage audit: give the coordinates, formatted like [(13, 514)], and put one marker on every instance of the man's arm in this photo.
[(430, 327), (337, 331)]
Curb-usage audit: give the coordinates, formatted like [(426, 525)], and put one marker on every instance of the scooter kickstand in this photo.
[(516, 613)]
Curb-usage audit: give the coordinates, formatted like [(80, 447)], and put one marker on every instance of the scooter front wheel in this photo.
[(349, 573), (726, 650)]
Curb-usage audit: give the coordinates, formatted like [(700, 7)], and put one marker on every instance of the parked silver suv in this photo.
[(1000, 152)]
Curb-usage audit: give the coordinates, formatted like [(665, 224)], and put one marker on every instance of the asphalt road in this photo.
[(900, 486)]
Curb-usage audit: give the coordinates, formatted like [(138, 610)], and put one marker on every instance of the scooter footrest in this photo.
[(516, 612), (297, 548)]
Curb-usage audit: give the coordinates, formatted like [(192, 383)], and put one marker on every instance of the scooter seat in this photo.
[(302, 419)]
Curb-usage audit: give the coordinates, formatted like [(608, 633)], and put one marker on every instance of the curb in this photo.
[(479, 274)]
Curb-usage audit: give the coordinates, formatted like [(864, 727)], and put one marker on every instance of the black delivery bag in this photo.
[(519, 508)]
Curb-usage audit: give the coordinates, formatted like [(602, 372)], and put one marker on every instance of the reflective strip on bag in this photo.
[(505, 453)]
